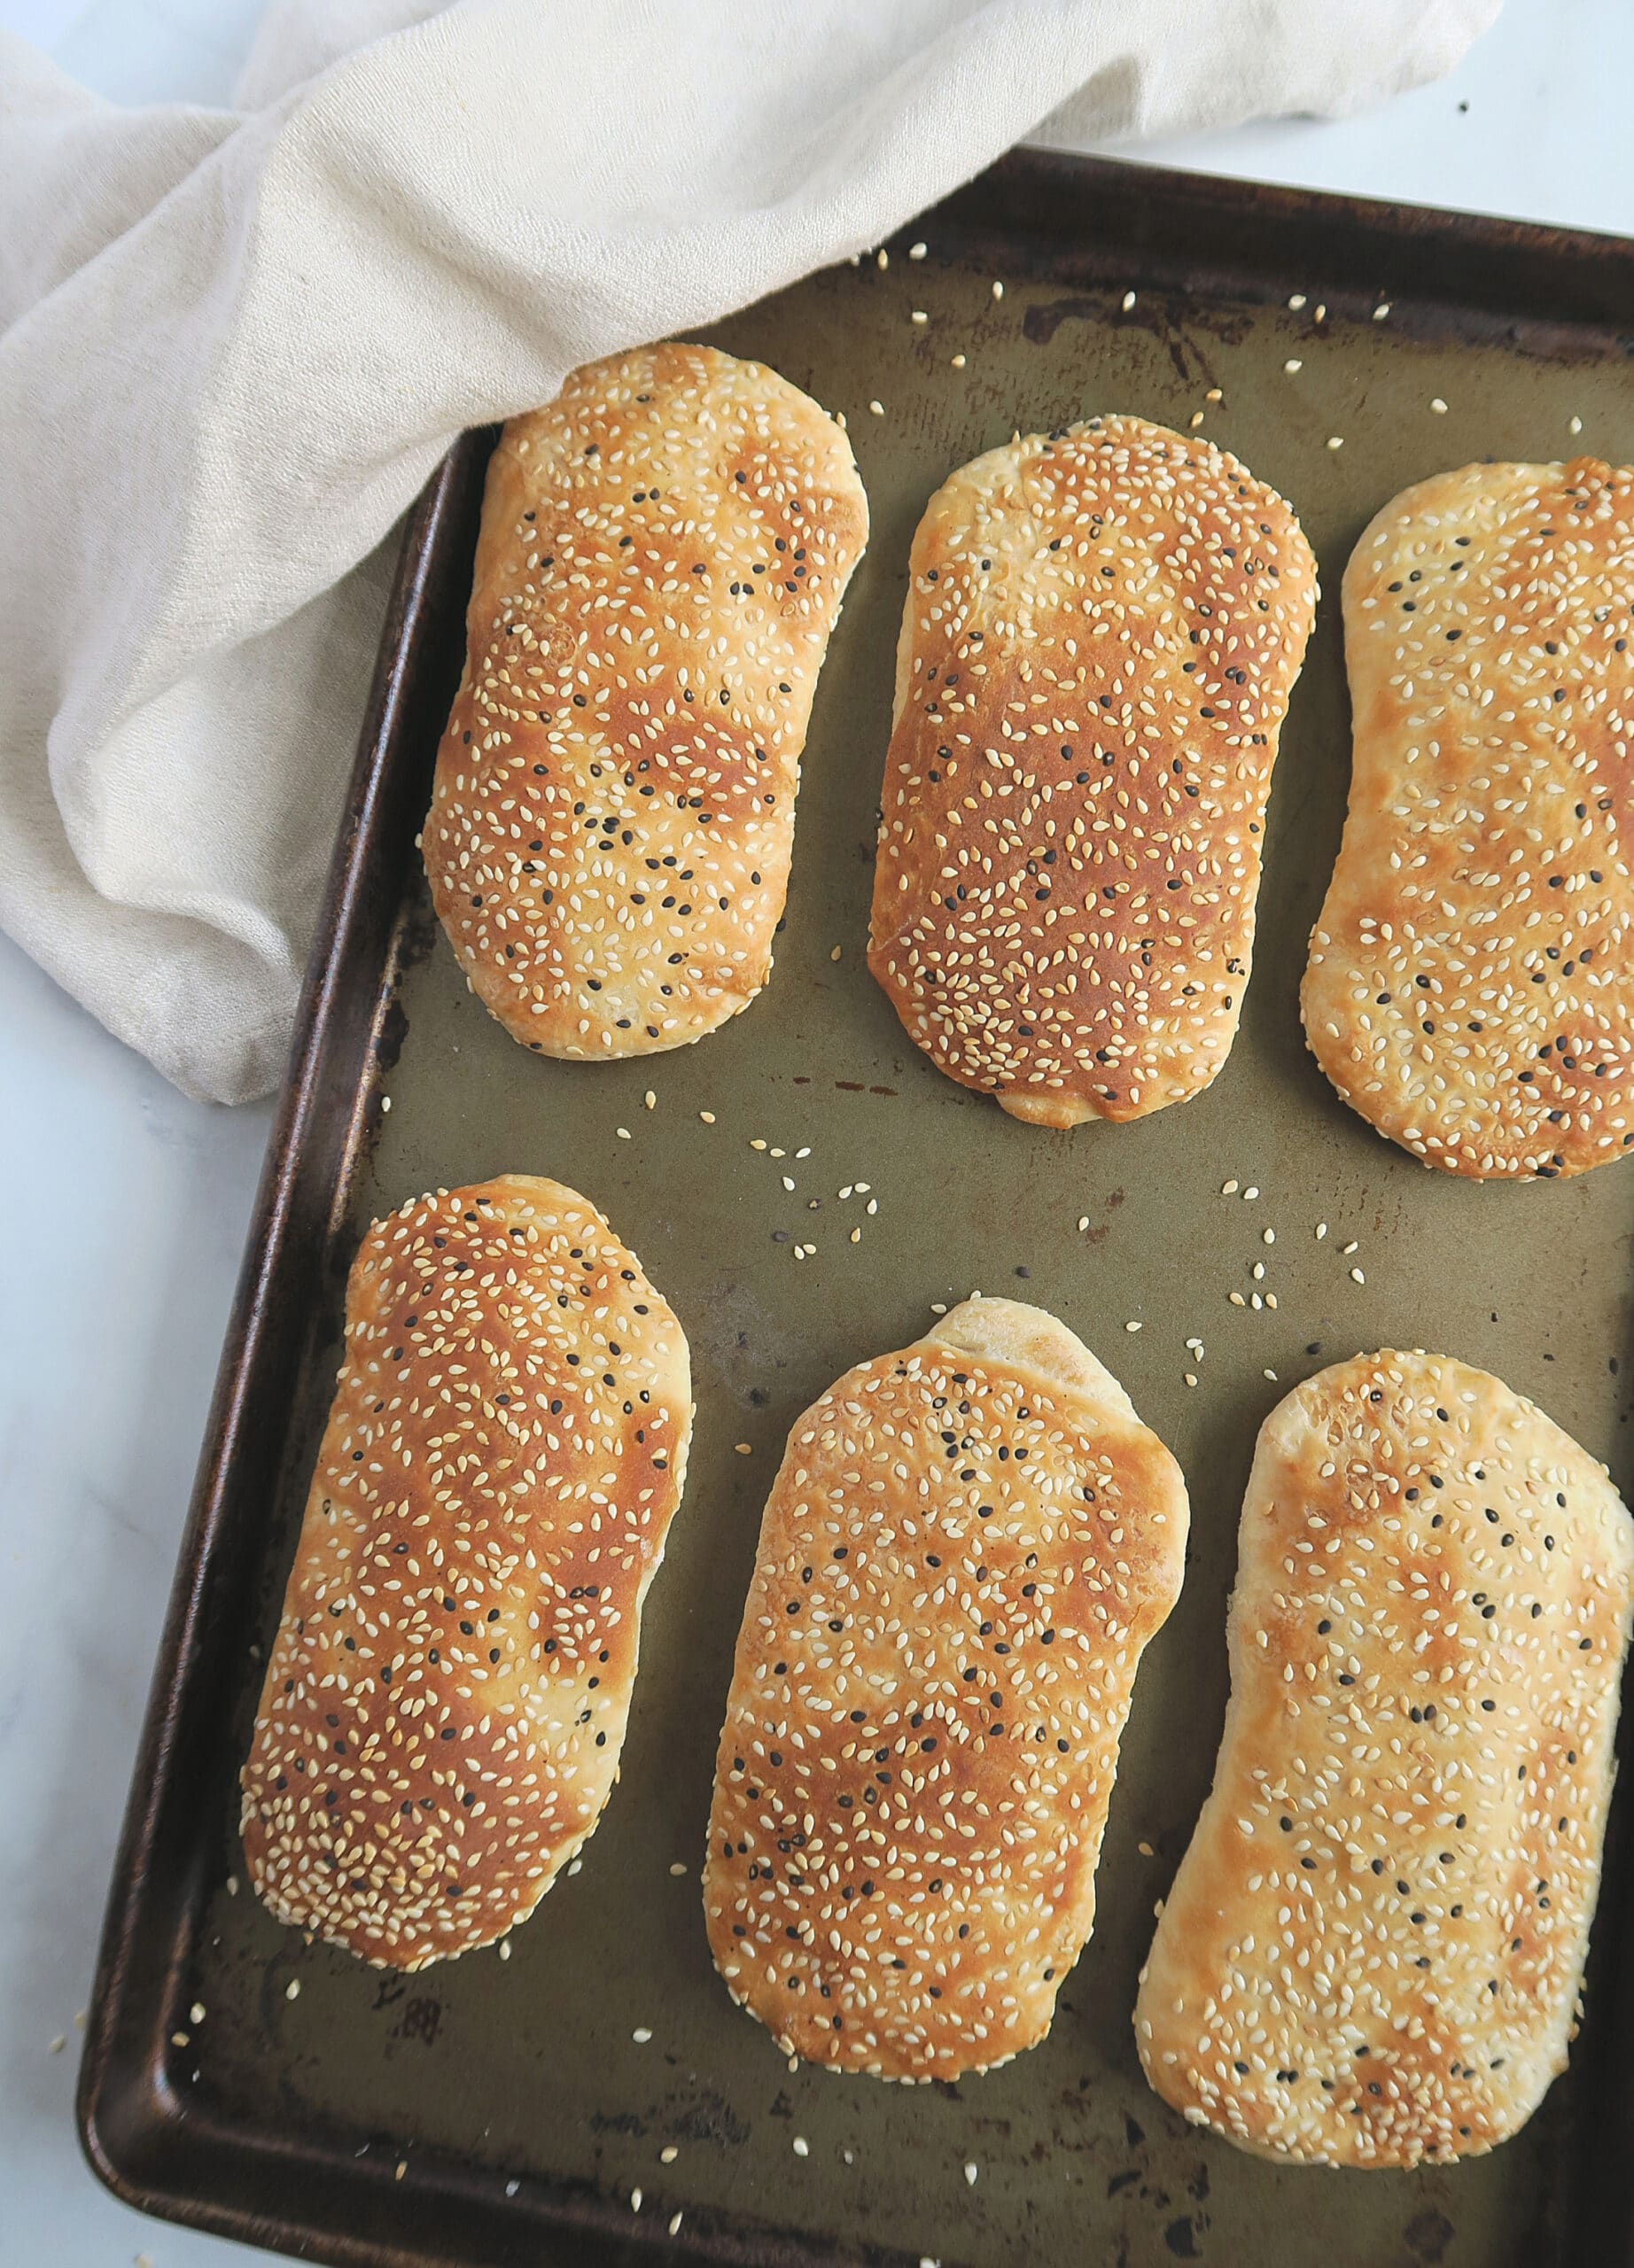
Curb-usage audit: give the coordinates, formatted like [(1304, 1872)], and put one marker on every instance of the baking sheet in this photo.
[(564, 2071)]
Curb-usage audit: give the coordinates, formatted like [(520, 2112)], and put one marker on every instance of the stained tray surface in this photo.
[(514, 2091)]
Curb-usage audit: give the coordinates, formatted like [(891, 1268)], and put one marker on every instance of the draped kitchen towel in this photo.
[(236, 342)]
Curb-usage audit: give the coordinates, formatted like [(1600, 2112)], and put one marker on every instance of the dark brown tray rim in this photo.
[(1534, 285)]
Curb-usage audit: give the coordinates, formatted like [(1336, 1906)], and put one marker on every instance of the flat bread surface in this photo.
[(662, 558), (444, 1703), (1371, 1953), (1469, 990), (965, 1551), (1102, 628)]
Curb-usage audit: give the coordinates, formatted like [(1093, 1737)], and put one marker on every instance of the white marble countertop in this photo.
[(132, 1203)]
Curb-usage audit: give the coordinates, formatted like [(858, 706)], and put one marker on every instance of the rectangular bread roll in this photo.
[(965, 1551), (663, 554), (1373, 1951), (445, 1706), (1103, 626), (1470, 990)]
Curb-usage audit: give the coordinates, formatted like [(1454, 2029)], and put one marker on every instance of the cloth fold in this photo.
[(234, 345)]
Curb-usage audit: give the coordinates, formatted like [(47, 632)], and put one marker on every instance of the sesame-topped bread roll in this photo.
[(662, 558), (1102, 629), (445, 1705), (1372, 1950), (1470, 988), (965, 1551)]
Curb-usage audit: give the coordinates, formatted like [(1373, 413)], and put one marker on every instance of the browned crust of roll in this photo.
[(662, 558), (1373, 1951), (965, 1551), (1469, 989), (445, 1705), (1102, 628)]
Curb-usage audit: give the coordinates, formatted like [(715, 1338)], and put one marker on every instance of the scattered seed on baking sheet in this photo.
[(56, 2046), (1319, 313), (1129, 300), (836, 953), (1259, 1271), (1296, 299), (1229, 1188), (1574, 424), (916, 252), (504, 1948), (511, 2188), (998, 289), (787, 1181), (937, 1307), (232, 1885), (1270, 1375), (743, 1448), (1335, 440), (1215, 393), (873, 1205), (179, 2038), (856, 1236), (1271, 1300), (882, 257), (678, 1865), (675, 2221), (876, 408), (1255, 1301), (839, 419), (971, 2170), (802, 2147), (650, 1099), (196, 2013), (1293, 364), (1438, 406), (1190, 1377), (845, 1193), (803, 1152), (1146, 1850), (1268, 1236), (573, 1866), (1132, 1326), (919, 315), (401, 2169), (1083, 1222), (642, 2034), (1357, 1276), (1382, 310), (668, 2154), (1322, 1231), (1193, 1346), (291, 1991), (1249, 1194), (756, 1143), (635, 2200), (957, 360), (623, 1132), (1197, 419), (863, 1188), (776, 1153), (1236, 1299), (385, 1102), (1348, 1248), (708, 1117)]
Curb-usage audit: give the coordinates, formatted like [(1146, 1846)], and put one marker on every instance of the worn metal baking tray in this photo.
[(494, 2111)]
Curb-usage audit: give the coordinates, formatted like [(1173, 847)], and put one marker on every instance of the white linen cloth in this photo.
[(234, 344)]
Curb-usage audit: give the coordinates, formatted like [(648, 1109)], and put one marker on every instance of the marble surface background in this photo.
[(132, 1202)]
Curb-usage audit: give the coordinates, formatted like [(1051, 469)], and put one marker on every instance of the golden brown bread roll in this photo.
[(1372, 1950), (662, 558), (1469, 989), (965, 1551), (445, 1706), (1102, 629)]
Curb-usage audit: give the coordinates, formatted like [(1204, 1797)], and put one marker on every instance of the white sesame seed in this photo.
[(1270, 1375), (1083, 1222), (1190, 1377), (1322, 1231), (919, 315), (708, 1117), (197, 2011), (668, 2154), (957, 360), (743, 1448), (1293, 364), (916, 252), (882, 257), (291, 1991), (1382, 310), (651, 1099), (675, 2221), (1335, 440), (1438, 406), (998, 289), (1352, 1246), (876, 408), (837, 953), (504, 1948), (970, 2172), (1129, 300), (1228, 1188), (1268, 1236), (802, 2147), (635, 2200), (1249, 1194), (642, 2034), (678, 1865), (623, 1132), (1357, 1276), (1574, 424), (1296, 299), (1236, 1299), (1132, 1326)]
